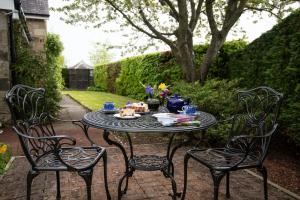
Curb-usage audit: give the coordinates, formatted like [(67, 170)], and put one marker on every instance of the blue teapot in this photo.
[(175, 103)]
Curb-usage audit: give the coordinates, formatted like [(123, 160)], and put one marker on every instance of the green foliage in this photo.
[(274, 60), (149, 69), (217, 97), (40, 70), (100, 77), (124, 77), (65, 76)]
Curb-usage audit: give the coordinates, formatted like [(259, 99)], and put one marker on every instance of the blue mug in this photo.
[(109, 106), (189, 109)]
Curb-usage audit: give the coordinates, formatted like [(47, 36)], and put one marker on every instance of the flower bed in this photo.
[(5, 155)]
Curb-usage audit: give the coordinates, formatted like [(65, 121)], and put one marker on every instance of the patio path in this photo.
[(143, 185)]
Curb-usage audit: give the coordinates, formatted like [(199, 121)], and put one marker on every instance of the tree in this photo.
[(174, 22), (101, 55)]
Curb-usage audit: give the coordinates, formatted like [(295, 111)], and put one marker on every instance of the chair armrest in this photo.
[(58, 140), (79, 123)]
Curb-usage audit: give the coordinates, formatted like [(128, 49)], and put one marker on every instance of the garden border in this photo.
[(9, 163)]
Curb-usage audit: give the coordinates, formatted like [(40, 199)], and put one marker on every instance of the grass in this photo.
[(95, 100)]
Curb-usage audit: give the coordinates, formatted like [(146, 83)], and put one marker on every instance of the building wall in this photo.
[(4, 65), (38, 32)]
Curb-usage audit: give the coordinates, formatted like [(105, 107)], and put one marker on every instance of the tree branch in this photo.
[(158, 34), (262, 10), (233, 13), (174, 12), (195, 14), (129, 20), (210, 16)]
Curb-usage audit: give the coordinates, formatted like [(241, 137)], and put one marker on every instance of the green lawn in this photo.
[(94, 100)]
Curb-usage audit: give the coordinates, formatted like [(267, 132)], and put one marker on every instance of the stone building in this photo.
[(33, 15)]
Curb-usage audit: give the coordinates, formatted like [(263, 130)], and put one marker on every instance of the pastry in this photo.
[(127, 112)]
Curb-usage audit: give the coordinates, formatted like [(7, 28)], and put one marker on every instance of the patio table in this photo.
[(146, 124)]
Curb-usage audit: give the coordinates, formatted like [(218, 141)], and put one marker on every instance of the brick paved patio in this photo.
[(143, 185)]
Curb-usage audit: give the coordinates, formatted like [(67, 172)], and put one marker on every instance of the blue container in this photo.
[(175, 103)]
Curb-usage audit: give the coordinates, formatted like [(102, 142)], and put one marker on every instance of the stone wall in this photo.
[(38, 32), (4, 65)]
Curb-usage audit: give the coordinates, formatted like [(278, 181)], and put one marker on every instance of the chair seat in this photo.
[(76, 157), (222, 159)]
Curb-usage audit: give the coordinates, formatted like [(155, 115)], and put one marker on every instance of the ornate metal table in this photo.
[(145, 124)]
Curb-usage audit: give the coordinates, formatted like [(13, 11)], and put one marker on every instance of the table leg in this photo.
[(128, 171)]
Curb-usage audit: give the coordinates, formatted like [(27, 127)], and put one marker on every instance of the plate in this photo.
[(109, 111), (127, 117), (143, 113)]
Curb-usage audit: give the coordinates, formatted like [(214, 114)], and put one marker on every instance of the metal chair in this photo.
[(45, 150), (249, 139)]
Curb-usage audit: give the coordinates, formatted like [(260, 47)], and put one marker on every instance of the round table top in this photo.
[(143, 124)]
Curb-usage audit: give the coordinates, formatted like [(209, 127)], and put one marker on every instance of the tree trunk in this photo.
[(212, 51), (186, 59)]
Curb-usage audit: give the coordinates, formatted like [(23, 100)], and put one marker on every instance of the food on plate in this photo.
[(138, 107), (127, 112)]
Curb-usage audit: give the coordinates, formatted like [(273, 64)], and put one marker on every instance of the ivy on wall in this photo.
[(42, 69)]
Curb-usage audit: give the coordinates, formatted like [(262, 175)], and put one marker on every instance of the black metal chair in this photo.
[(45, 150), (248, 143)]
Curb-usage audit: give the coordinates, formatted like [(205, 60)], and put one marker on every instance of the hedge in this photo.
[(274, 60), (124, 77)]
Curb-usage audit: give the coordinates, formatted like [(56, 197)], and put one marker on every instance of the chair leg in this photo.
[(105, 176), (227, 185), (30, 176), (264, 173), (87, 177), (58, 196), (217, 177), (186, 160)]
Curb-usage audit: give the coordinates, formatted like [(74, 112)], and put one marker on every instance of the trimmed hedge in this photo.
[(124, 77), (274, 60)]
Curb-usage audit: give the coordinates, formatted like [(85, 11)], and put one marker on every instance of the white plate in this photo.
[(127, 117)]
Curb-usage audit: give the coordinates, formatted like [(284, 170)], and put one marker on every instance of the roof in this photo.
[(35, 7), (81, 65)]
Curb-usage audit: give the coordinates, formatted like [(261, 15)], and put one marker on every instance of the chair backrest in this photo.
[(260, 104), (25, 103), (29, 135), (257, 118)]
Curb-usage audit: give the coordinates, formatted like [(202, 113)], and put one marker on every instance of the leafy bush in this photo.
[(147, 69), (5, 155), (274, 60), (39, 70), (124, 77), (100, 77), (217, 97)]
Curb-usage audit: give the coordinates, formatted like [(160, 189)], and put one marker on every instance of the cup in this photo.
[(109, 106), (189, 109)]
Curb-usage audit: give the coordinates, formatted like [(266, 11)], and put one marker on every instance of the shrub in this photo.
[(39, 70), (100, 77), (217, 97), (5, 155), (123, 77), (274, 60)]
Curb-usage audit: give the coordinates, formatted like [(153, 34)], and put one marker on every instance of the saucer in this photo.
[(110, 111)]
